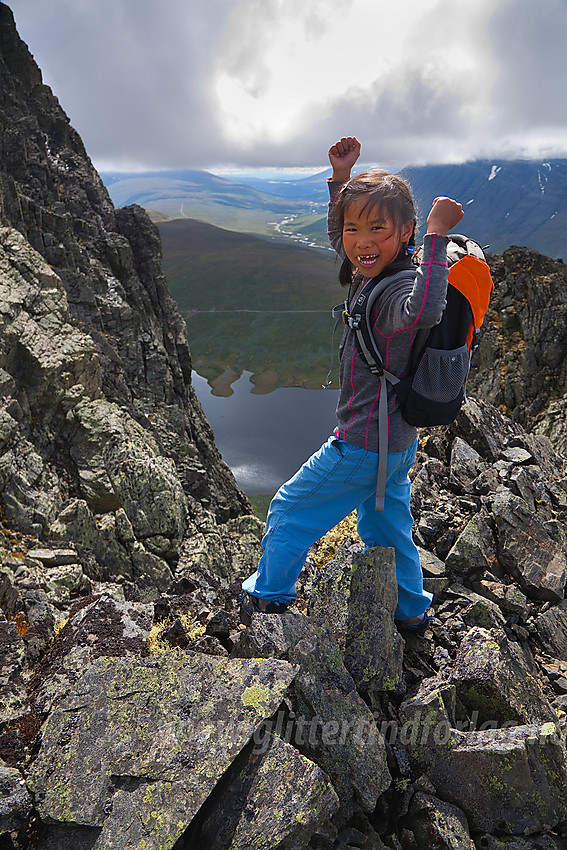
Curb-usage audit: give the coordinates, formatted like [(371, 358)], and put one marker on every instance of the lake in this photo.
[(265, 438)]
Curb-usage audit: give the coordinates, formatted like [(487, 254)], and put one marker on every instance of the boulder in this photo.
[(278, 799), (527, 550), (475, 549), (508, 597), (15, 801), (466, 465), (331, 724), (120, 468), (499, 680), (12, 682), (483, 612), (483, 428), (436, 824), (39, 618), (435, 575), (511, 779), (137, 746), (148, 565), (99, 626), (100, 535), (54, 557), (552, 630)]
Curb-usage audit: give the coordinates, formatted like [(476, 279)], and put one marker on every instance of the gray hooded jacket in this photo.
[(400, 311)]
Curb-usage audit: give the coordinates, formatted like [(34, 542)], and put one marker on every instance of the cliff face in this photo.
[(521, 366), (100, 425)]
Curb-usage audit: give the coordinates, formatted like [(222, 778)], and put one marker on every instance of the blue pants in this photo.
[(333, 482)]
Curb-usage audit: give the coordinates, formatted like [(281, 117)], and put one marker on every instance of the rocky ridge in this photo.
[(163, 723), (135, 711), (521, 365)]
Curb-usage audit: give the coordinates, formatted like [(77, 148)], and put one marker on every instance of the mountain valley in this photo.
[(515, 202)]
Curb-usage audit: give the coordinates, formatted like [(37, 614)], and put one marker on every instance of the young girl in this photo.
[(372, 224)]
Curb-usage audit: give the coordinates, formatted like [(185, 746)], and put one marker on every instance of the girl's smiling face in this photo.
[(371, 241)]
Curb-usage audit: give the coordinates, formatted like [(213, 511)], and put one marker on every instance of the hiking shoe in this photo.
[(418, 628), (250, 605)]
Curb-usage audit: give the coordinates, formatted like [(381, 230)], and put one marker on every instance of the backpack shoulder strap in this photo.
[(359, 318)]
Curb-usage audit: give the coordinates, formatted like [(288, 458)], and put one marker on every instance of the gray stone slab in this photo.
[(278, 799), (527, 551), (139, 744), (374, 649)]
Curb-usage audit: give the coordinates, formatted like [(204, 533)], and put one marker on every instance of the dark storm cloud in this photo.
[(530, 40), (131, 74), (180, 83)]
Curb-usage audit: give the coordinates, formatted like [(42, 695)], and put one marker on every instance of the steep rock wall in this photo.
[(95, 359), (521, 365)]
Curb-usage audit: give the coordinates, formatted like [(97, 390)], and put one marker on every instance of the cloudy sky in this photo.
[(155, 84)]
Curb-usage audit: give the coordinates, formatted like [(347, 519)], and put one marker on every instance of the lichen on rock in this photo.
[(151, 736)]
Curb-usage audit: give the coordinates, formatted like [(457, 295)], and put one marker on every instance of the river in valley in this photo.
[(265, 438)]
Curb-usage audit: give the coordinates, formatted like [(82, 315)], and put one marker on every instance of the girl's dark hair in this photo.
[(388, 194)]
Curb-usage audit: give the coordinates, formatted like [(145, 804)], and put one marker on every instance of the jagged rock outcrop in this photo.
[(521, 365), (102, 439)]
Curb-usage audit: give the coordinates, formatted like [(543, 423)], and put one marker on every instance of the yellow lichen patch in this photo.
[(156, 645), (257, 697), (21, 622), (195, 632), (60, 624), (326, 547)]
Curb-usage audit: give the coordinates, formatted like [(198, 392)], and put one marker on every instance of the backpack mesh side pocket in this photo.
[(441, 374)]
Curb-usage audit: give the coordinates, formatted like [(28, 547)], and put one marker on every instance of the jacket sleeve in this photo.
[(419, 305), (333, 231)]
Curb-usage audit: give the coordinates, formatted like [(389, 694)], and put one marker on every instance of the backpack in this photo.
[(434, 385)]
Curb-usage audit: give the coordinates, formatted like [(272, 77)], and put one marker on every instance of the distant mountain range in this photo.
[(204, 196), (520, 202), (505, 202)]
